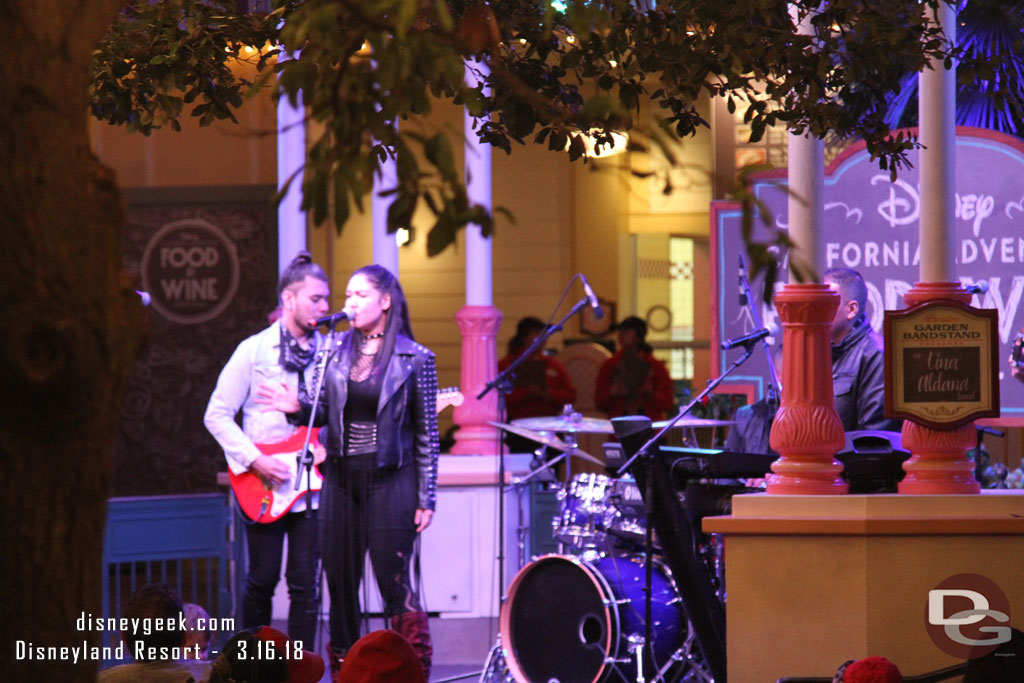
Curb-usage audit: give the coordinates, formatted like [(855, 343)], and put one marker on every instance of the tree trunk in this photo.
[(72, 328)]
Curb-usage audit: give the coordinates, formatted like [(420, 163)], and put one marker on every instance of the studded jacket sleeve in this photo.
[(426, 441)]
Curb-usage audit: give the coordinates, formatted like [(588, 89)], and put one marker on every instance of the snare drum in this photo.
[(572, 621)]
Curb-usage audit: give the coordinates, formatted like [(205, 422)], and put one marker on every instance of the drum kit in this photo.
[(577, 616)]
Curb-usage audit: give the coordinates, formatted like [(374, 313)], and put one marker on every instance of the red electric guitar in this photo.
[(263, 502)]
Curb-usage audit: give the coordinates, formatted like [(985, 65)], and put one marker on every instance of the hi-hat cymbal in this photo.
[(548, 440), (562, 423), (684, 422)]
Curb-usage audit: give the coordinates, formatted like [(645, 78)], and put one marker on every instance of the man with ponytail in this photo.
[(284, 353)]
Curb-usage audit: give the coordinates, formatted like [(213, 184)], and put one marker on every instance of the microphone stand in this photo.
[(718, 668), (772, 395), (304, 462), (503, 383)]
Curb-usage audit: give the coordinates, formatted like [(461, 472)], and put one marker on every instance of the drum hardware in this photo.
[(495, 670), (598, 514), (678, 538), (503, 383)]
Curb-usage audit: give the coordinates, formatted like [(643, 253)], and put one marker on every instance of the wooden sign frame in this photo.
[(941, 364)]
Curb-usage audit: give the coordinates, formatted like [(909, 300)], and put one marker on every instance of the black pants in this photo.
[(364, 507), (266, 545)]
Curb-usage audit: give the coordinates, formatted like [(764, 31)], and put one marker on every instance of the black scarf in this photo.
[(294, 357)]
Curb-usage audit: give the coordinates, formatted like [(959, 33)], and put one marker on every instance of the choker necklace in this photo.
[(368, 337)]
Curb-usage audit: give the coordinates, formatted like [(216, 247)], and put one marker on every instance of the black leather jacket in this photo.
[(406, 413), (858, 380), (753, 426)]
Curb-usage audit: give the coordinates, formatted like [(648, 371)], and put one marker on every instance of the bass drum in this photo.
[(567, 620)]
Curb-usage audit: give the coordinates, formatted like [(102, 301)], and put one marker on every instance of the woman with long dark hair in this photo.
[(378, 408)]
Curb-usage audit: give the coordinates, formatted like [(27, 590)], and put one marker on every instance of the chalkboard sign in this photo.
[(940, 364)]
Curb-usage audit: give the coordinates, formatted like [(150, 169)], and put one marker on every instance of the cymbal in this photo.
[(548, 440), (684, 422), (560, 423)]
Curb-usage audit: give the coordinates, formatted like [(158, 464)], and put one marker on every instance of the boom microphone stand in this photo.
[(708, 623), (503, 383)]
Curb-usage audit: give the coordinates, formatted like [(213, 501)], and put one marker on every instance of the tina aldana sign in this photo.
[(940, 364)]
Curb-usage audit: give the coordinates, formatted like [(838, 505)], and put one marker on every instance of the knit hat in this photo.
[(266, 655), (381, 657), (869, 670)]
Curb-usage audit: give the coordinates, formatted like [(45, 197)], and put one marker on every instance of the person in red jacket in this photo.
[(633, 381), (542, 386)]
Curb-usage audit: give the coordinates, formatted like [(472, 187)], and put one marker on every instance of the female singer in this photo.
[(378, 408)]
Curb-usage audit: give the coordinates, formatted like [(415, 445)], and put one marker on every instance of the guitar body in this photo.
[(265, 503)]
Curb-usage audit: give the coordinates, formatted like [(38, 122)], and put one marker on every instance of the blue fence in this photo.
[(184, 541)]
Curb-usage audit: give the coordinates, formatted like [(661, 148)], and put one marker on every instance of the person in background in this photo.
[(160, 653), (633, 381), (753, 422), (265, 655), (197, 631), (1016, 362), (541, 386), (858, 364), (381, 657)]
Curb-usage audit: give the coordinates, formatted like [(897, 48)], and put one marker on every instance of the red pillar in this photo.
[(938, 457), (807, 431), (479, 327)]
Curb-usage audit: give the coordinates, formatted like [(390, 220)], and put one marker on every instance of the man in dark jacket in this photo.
[(858, 366), (858, 372)]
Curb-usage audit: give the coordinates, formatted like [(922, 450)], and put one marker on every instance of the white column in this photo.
[(385, 247), (937, 162), (806, 186), (291, 155), (479, 291), (478, 320)]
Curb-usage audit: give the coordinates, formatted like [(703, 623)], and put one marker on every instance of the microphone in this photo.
[(756, 335), (333, 319), (591, 297), (145, 297), (979, 287)]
